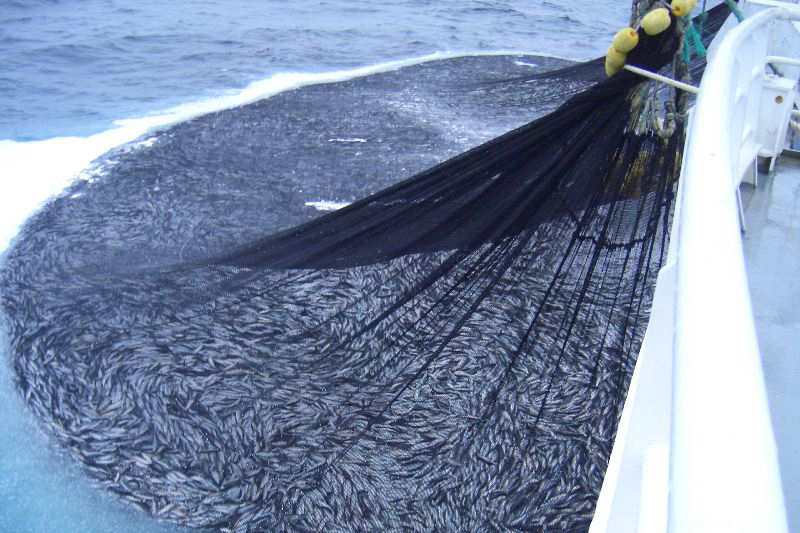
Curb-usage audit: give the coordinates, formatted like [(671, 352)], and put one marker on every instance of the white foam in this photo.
[(324, 205), (34, 171), (271, 86), (353, 140)]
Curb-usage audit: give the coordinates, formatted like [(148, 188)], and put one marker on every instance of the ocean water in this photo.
[(75, 69), (81, 78)]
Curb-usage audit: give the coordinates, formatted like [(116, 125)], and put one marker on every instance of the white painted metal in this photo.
[(783, 37), (777, 98), (655, 490), (783, 60), (745, 81), (723, 470), (645, 421)]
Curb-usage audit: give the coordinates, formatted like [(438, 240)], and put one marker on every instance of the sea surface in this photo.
[(78, 79), (77, 68)]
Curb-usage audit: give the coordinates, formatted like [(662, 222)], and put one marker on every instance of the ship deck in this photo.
[(771, 244)]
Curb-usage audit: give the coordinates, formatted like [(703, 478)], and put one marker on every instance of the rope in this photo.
[(735, 9), (692, 38)]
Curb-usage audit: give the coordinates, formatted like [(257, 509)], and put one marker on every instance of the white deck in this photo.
[(772, 255)]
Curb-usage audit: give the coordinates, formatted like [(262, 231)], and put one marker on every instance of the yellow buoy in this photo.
[(615, 60), (681, 8), (656, 21), (625, 40)]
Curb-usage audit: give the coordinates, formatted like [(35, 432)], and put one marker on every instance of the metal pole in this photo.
[(663, 79)]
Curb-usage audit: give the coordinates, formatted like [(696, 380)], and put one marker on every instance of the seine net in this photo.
[(451, 353)]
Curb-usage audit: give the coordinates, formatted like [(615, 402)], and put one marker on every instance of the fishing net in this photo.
[(451, 353)]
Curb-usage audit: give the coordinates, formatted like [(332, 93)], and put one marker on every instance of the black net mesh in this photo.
[(451, 353)]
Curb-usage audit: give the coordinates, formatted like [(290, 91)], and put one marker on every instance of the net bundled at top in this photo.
[(451, 353)]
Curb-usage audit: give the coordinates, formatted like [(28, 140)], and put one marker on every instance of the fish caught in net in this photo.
[(450, 353)]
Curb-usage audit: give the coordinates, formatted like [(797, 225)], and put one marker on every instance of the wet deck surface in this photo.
[(772, 254)]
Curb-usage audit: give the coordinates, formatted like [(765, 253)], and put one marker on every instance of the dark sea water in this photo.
[(73, 68), (79, 78)]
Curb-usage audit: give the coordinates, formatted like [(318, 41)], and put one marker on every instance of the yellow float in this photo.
[(682, 8), (656, 21), (653, 23), (615, 60), (625, 40)]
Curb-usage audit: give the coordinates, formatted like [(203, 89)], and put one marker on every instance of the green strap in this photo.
[(691, 37), (686, 56), (735, 9), (697, 41)]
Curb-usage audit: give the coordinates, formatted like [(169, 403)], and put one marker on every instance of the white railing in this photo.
[(723, 460), (695, 450)]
